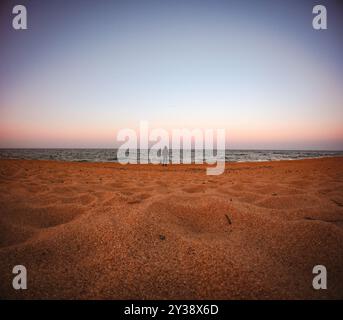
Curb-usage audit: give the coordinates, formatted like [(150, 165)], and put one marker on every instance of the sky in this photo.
[(85, 69)]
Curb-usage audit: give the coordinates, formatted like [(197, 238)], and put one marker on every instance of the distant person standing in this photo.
[(165, 155)]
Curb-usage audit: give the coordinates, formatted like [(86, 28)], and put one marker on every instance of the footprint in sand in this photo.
[(190, 216), (194, 189), (138, 198)]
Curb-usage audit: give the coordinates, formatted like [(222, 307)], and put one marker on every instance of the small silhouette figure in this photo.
[(165, 155)]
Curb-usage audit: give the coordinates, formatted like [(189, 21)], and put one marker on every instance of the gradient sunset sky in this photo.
[(85, 69)]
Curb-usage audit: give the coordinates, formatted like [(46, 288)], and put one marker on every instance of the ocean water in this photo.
[(110, 155)]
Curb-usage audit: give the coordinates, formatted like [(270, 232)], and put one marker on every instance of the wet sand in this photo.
[(107, 231)]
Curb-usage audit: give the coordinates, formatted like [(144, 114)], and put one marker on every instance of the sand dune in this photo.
[(106, 231)]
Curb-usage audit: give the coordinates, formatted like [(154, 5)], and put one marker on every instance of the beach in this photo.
[(111, 231)]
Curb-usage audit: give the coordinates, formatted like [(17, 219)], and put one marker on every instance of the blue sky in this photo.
[(85, 69)]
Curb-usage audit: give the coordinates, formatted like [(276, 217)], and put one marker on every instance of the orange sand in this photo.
[(107, 231)]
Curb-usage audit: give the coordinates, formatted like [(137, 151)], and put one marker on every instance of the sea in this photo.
[(110, 155)]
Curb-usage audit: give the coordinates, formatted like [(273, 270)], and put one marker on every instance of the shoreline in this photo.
[(171, 164)]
